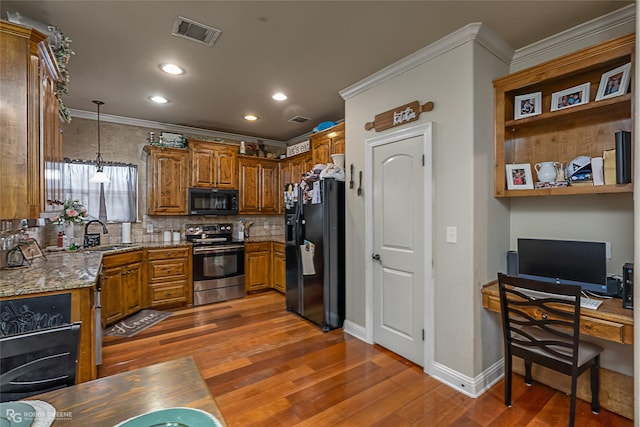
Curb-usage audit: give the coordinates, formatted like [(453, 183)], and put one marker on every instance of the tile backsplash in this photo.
[(262, 225)]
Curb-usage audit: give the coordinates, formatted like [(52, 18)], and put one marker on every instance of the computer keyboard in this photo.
[(591, 303), (585, 302)]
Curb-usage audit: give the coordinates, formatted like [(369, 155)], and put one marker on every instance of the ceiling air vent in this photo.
[(299, 119), (195, 31)]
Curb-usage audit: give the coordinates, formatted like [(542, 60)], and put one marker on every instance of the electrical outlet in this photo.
[(607, 246), (266, 224), (150, 228)]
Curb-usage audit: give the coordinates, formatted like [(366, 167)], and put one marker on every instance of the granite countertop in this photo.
[(66, 269), (60, 271), (78, 269), (279, 238)]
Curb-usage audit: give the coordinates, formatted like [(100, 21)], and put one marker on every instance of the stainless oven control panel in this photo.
[(193, 231)]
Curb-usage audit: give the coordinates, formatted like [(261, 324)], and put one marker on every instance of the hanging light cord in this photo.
[(99, 159)]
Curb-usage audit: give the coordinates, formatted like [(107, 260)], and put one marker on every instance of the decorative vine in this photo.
[(63, 52)]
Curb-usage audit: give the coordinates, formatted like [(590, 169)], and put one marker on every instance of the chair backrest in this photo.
[(541, 321), (38, 361)]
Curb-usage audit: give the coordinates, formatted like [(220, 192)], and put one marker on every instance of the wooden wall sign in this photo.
[(398, 116), (301, 147)]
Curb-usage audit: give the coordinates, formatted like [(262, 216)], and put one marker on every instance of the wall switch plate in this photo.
[(607, 246), (266, 224), (452, 235), (150, 228)]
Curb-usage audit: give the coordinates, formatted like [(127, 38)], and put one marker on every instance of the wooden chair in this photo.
[(38, 361), (545, 329)]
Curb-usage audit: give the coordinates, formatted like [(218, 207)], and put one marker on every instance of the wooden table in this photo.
[(609, 322), (110, 400)]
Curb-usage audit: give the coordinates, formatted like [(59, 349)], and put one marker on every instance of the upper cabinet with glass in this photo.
[(559, 110)]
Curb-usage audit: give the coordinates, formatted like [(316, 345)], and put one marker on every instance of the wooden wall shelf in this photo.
[(562, 135)]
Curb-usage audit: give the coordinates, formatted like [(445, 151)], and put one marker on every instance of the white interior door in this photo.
[(398, 245)]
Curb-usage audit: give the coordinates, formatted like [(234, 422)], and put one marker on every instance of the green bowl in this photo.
[(173, 417)]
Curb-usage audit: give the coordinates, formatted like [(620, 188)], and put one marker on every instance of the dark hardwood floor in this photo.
[(267, 367)]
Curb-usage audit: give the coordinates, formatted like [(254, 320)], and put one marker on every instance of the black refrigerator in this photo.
[(314, 223)]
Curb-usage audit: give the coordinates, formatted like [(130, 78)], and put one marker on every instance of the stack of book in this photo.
[(614, 167)]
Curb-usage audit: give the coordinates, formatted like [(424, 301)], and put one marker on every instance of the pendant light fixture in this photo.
[(100, 176)]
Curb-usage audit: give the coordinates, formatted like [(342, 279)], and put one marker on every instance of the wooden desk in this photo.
[(110, 400), (609, 322)]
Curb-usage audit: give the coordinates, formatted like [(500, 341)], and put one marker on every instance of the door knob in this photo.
[(376, 257)]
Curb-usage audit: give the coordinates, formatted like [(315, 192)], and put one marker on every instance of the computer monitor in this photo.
[(564, 261)]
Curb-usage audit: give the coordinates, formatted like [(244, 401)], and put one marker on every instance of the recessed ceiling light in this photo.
[(251, 117), (159, 99), (172, 69), (279, 96)]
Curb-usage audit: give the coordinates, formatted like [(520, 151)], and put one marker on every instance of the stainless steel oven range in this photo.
[(218, 263)]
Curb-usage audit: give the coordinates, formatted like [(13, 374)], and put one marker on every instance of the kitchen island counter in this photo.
[(58, 272), (72, 275), (66, 269)]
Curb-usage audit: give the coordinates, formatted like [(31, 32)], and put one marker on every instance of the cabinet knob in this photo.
[(168, 254)]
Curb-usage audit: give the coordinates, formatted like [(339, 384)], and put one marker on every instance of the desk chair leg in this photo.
[(572, 410), (527, 372), (507, 380), (595, 385)]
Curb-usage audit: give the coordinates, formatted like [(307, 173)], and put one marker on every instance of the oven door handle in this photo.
[(217, 249)]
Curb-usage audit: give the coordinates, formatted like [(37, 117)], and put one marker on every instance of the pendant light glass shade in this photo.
[(100, 176)]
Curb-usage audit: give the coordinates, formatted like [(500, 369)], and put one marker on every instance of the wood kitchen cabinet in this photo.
[(122, 285), (259, 182), (328, 142), (169, 276), (292, 169), (29, 119), (213, 165), (257, 266), (167, 180), (278, 267)]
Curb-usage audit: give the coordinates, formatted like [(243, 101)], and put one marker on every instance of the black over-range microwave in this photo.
[(212, 201)]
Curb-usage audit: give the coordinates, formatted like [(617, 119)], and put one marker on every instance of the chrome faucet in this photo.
[(93, 239)]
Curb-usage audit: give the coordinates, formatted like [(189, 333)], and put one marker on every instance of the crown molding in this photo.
[(482, 34), (81, 114), (474, 31), (596, 26)]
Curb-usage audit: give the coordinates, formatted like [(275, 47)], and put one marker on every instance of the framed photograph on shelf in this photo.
[(615, 82), (577, 95), (519, 177), (31, 250), (527, 105)]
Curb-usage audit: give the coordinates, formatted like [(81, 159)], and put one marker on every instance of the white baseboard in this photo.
[(356, 330), (472, 387)]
